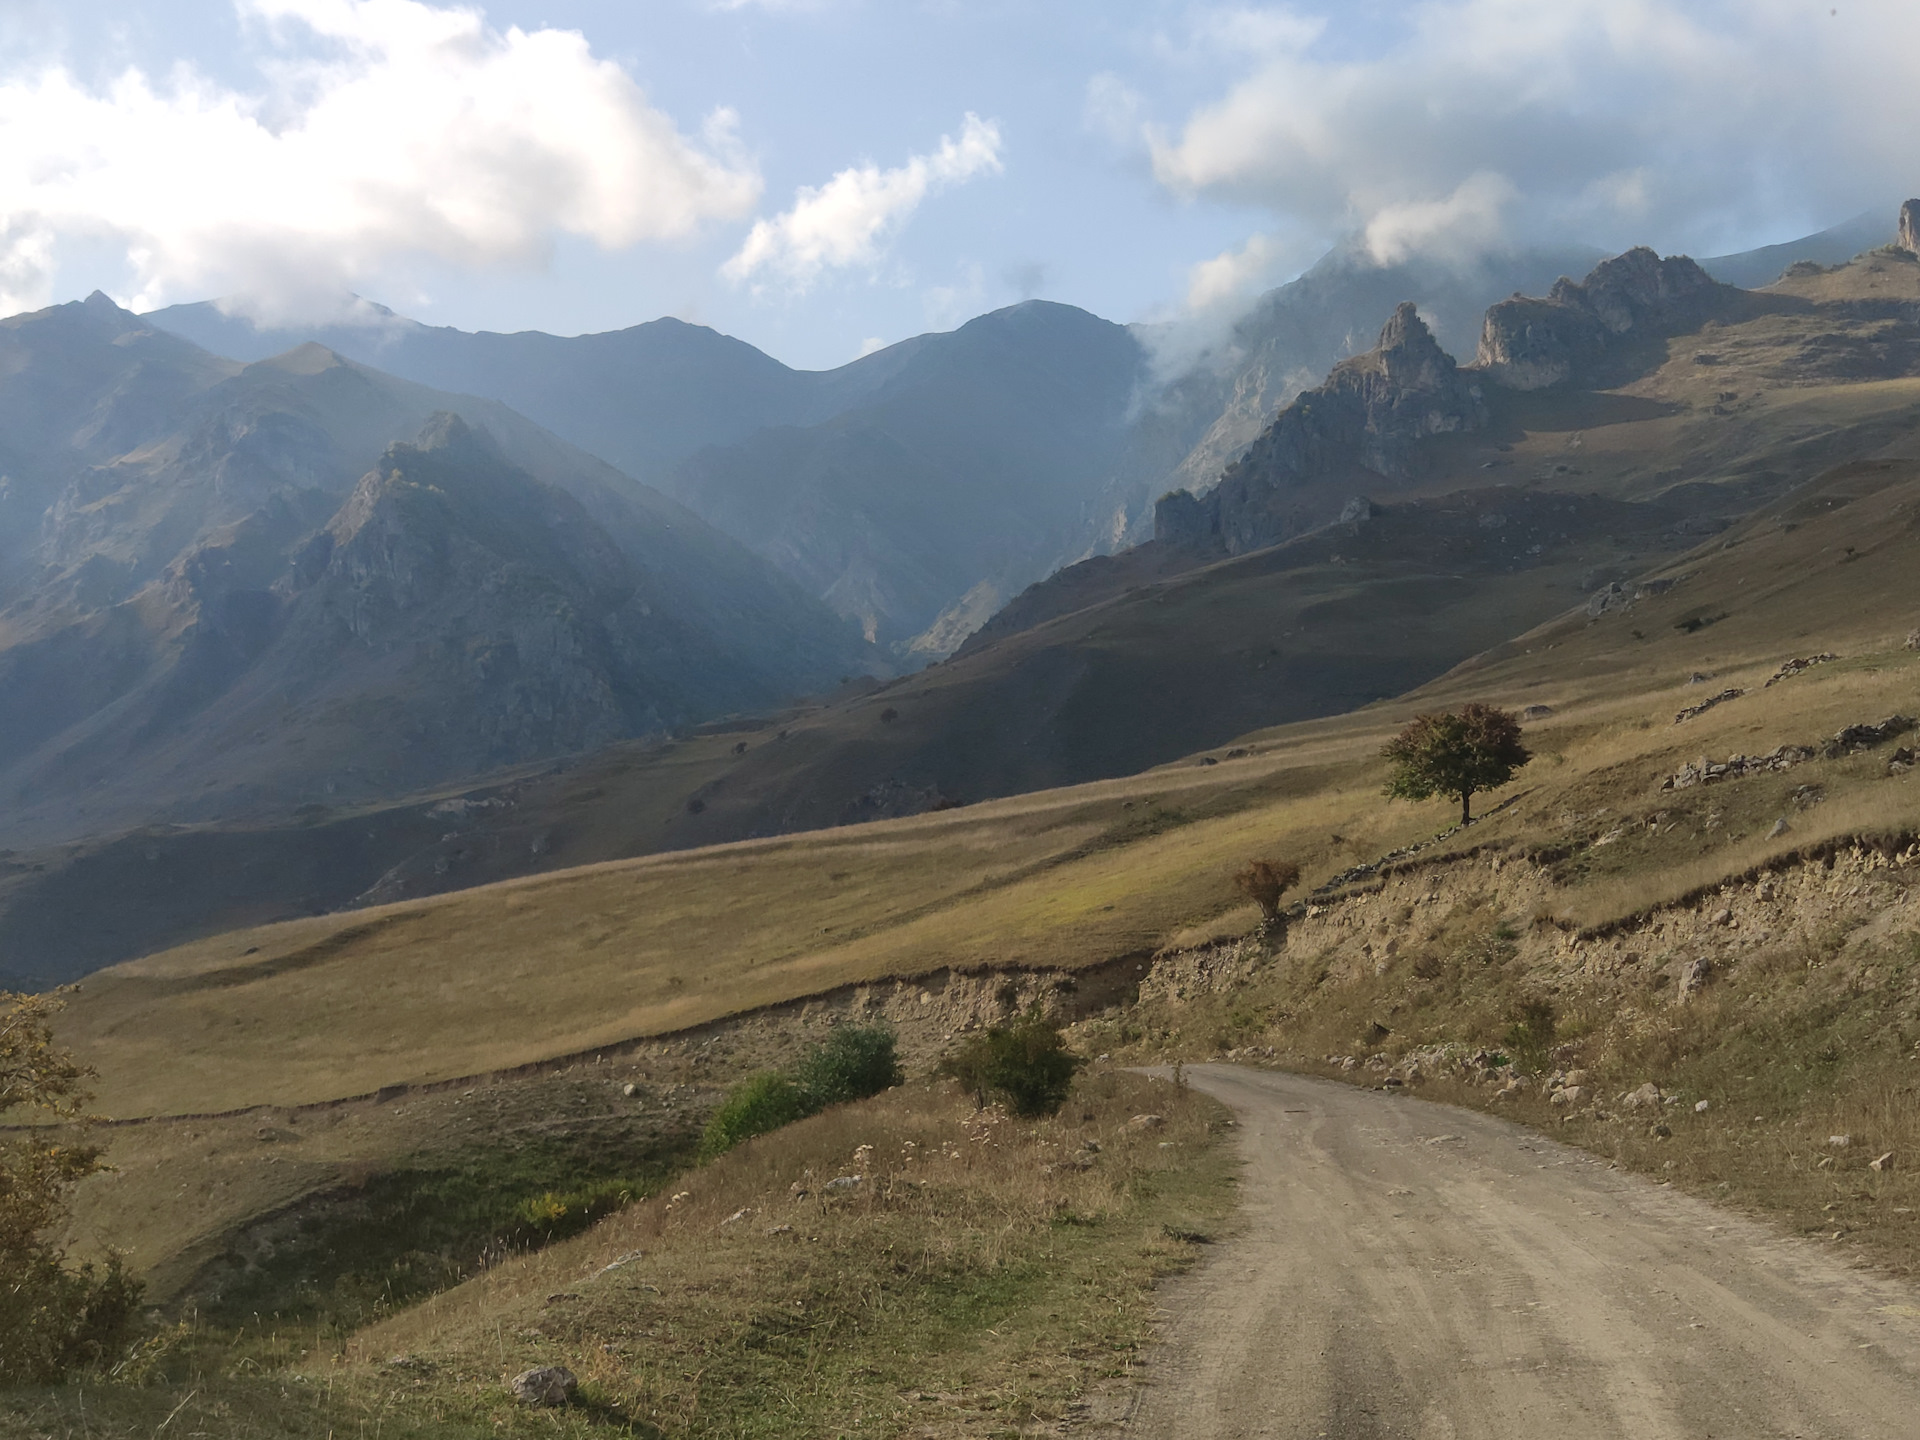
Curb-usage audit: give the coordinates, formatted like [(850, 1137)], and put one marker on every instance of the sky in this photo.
[(821, 177)]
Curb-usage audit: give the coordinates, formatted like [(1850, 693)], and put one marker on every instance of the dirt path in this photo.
[(1407, 1269)]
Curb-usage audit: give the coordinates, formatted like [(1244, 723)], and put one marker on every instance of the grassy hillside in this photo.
[(558, 964)]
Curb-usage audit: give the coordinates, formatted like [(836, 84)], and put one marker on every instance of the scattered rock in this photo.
[(1536, 712), (1780, 827), (1839, 1142), (1722, 916), (550, 1385), (1709, 772), (1647, 1095), (1900, 761), (1883, 1164), (1700, 1107), (1693, 978), (1661, 1132), (1707, 704), (1913, 639), (773, 1230), (1146, 1122), (1569, 1095), (841, 1184), (1797, 667), (1864, 737), (629, 1090), (736, 1217)]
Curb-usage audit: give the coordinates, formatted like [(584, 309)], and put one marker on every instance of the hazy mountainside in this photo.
[(1751, 269), (917, 489), (643, 398), (975, 464), (209, 605)]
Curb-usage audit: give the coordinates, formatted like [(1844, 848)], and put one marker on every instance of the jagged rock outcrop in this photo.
[(1366, 420), (1529, 343), (1908, 236)]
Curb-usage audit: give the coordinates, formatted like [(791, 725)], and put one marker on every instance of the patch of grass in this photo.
[(983, 1274), (350, 1256)]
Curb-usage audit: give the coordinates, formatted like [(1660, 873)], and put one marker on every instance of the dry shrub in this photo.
[(1264, 882)]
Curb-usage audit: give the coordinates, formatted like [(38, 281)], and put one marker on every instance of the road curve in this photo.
[(1406, 1269)]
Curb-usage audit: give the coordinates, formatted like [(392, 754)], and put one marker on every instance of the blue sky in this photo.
[(817, 176)]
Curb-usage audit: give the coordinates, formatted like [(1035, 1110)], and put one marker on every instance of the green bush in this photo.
[(850, 1065), (1531, 1035), (1026, 1064), (753, 1107)]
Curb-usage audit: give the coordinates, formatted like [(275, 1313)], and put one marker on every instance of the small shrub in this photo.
[(1531, 1035), (753, 1107), (1026, 1064), (1264, 882), (850, 1065)]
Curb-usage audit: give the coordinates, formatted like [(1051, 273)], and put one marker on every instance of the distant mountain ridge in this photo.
[(916, 490), (234, 589)]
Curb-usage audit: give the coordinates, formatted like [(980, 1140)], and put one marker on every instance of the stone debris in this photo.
[(1798, 667), (1900, 761), (1700, 1107), (1864, 737), (1839, 1142), (1883, 1164), (1146, 1122), (841, 1184), (1709, 772), (1707, 704), (548, 1386), (1693, 978)]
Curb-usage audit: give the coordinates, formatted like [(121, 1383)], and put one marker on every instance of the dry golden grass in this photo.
[(982, 1276)]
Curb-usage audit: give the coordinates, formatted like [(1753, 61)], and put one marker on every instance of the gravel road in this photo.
[(1408, 1269)]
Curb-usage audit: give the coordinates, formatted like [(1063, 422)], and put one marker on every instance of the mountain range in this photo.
[(292, 633)]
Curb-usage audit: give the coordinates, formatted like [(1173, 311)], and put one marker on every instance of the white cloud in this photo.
[(1459, 226), (1472, 122), (1232, 275), (384, 130), (845, 221)]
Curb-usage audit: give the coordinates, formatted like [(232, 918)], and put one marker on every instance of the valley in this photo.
[(1675, 533)]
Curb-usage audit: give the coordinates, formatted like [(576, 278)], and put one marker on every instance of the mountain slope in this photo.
[(209, 605)]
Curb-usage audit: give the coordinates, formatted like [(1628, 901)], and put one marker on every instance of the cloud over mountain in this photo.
[(1460, 124), (845, 221), (381, 130)]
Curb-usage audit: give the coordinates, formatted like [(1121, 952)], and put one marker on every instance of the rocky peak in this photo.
[(1908, 236), (1369, 417), (1528, 343)]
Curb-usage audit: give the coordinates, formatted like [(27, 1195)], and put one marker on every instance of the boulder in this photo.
[(1648, 1095), (546, 1387), (1908, 235)]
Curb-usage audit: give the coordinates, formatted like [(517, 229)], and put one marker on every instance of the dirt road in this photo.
[(1406, 1269)]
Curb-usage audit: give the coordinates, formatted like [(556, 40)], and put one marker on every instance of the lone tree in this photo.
[(1456, 754), (52, 1316), (1264, 882)]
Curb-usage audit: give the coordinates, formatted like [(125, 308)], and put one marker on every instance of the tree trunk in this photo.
[(1466, 811)]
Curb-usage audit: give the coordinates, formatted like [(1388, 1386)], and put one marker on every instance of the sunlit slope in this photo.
[(561, 963)]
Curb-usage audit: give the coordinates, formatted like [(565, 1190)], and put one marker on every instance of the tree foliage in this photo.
[(52, 1316), (1264, 882), (1451, 753), (1026, 1064)]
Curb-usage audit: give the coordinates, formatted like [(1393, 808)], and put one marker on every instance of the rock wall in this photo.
[(1528, 343)]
